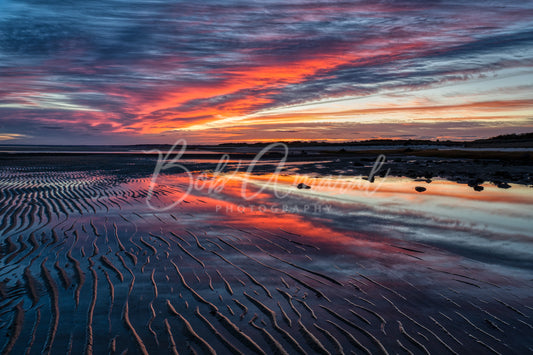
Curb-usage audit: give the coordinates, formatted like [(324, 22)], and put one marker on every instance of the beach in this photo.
[(347, 265)]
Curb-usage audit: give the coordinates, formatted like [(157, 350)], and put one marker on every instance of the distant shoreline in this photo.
[(299, 153), (517, 141), (472, 167)]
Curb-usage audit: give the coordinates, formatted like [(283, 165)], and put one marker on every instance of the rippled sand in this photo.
[(86, 266)]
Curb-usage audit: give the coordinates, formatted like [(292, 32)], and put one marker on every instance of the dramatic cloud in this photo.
[(213, 71)]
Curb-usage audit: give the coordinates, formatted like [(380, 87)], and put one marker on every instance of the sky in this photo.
[(135, 72)]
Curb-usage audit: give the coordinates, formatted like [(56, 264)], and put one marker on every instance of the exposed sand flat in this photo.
[(17, 252), (133, 257), (359, 316), (276, 347), (54, 306), (90, 313), (286, 318), (95, 231), (106, 262), (486, 346), (191, 255), (161, 239), (272, 316), (336, 345), (383, 321), (401, 346), (180, 238), (34, 331), (119, 242), (353, 325), (194, 293), (221, 337), (289, 299), (239, 334), (307, 270), (80, 275), (244, 272), (445, 330), (172, 348), (306, 306), (336, 289), (272, 268), (149, 325), (32, 286), (150, 246), (15, 329), (315, 344), (422, 327), (111, 298), (126, 317), (200, 246), (411, 339), (226, 283), (192, 334), (351, 339)]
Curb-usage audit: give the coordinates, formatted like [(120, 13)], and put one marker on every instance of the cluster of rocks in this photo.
[(472, 172)]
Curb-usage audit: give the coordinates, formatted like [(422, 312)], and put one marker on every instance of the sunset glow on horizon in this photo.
[(117, 72)]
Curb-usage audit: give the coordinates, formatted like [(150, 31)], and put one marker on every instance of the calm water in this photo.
[(493, 225)]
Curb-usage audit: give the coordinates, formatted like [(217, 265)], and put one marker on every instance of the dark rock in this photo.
[(503, 185), (420, 189), (303, 186), (476, 182), (478, 188), (370, 178)]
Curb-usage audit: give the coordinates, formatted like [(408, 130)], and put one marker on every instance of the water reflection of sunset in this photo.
[(493, 218)]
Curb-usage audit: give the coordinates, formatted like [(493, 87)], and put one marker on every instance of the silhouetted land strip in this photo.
[(524, 140), (500, 161)]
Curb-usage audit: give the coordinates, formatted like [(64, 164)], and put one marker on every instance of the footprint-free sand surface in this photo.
[(87, 267)]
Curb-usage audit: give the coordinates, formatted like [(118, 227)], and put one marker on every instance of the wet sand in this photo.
[(87, 267)]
